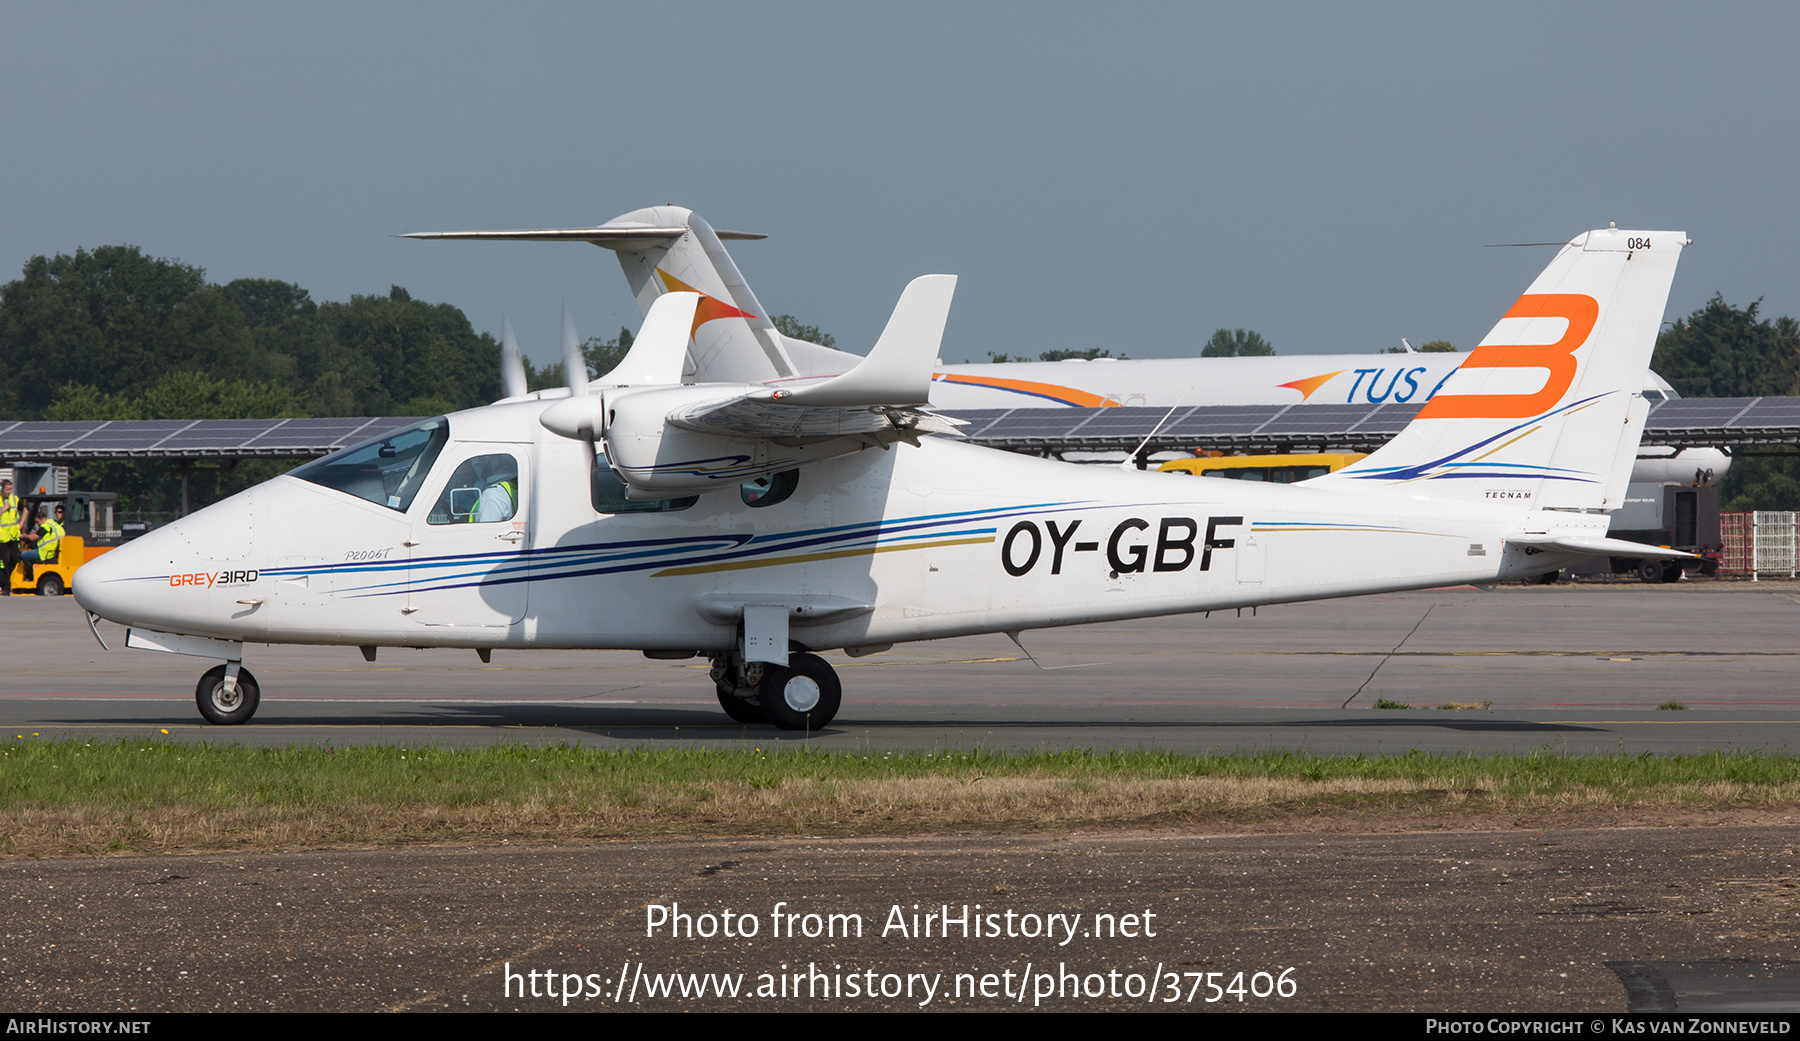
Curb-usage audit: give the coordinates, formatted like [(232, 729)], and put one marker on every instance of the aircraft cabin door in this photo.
[(469, 565)]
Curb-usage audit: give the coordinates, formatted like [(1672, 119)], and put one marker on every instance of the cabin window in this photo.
[(769, 489), (482, 490), (386, 470), (609, 494)]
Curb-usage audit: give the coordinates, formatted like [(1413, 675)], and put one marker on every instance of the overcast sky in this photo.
[(1126, 176)]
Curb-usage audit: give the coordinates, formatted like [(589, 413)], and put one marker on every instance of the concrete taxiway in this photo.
[(1578, 668)]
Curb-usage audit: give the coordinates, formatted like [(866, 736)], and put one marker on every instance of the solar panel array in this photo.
[(1247, 428), (1347, 427), (1244, 427), (187, 438)]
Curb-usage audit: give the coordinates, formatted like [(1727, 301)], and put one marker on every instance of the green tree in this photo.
[(1721, 351), (117, 320), (265, 302), (602, 357), (396, 356), (1726, 351), (1069, 355), (790, 326), (1236, 343)]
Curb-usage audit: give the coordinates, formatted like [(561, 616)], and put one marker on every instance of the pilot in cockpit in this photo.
[(483, 490)]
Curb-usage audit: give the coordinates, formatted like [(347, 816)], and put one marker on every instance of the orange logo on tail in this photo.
[(1311, 383), (710, 307), (1558, 358)]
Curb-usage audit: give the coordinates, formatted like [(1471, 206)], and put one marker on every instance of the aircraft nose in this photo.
[(166, 579), (116, 584)]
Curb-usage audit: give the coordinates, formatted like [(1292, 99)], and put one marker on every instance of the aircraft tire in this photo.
[(803, 696), (740, 709), (210, 696)]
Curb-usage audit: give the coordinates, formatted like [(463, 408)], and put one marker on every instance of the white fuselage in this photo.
[(1363, 379), (872, 548)]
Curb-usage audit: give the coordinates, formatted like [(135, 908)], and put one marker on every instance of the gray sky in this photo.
[(1128, 176)]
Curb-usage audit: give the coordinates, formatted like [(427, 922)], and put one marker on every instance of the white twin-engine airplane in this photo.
[(760, 523)]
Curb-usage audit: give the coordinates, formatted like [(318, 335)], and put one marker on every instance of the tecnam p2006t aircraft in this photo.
[(760, 524)]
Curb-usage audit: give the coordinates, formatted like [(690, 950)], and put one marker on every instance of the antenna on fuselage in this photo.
[(1131, 461)]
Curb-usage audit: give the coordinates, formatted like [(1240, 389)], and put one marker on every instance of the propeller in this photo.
[(574, 362), (512, 363)]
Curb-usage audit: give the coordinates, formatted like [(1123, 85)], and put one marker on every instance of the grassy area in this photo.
[(63, 797)]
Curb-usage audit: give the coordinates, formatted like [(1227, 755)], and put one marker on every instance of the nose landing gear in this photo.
[(227, 707)]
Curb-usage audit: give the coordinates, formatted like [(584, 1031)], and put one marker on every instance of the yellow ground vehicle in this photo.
[(1279, 469), (55, 578)]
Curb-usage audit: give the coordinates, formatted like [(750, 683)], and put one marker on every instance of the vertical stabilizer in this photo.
[(1547, 411)]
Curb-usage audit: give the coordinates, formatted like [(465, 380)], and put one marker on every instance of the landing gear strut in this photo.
[(804, 695)]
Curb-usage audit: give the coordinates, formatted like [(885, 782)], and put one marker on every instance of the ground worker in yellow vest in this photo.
[(45, 539), (9, 536)]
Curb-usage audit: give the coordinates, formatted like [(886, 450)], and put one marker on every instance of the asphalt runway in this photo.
[(1579, 668)]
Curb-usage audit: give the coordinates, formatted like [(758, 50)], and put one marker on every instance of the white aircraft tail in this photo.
[(734, 341), (669, 249), (1547, 411)]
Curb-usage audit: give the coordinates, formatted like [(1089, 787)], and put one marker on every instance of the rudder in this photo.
[(1548, 410)]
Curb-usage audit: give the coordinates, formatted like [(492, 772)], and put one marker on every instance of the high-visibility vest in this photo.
[(511, 493), (50, 536), (9, 519)]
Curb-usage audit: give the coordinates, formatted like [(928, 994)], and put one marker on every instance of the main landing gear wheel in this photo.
[(743, 710), (803, 696), (220, 709)]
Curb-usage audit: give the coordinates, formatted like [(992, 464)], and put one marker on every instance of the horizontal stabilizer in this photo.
[(1597, 546), (609, 236), (658, 353), (898, 369)]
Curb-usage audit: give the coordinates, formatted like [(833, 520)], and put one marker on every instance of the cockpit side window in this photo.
[(386, 470), (482, 490), (609, 494)]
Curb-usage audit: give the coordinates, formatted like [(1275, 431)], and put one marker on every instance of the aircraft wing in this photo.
[(884, 395), (753, 416), (670, 439)]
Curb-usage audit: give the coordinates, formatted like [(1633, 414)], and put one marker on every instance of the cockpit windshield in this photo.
[(385, 470)]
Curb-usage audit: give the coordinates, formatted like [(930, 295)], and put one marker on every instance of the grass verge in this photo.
[(70, 797)]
